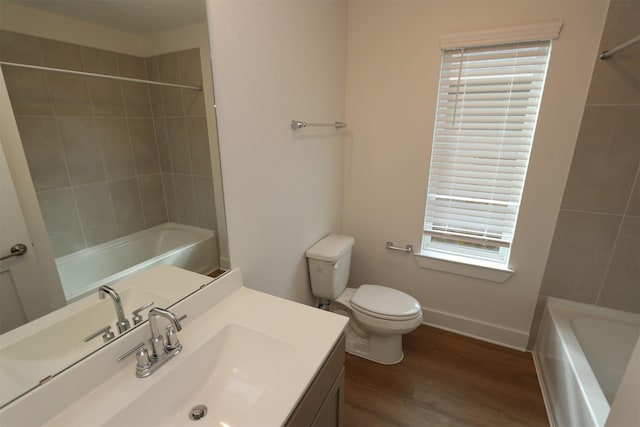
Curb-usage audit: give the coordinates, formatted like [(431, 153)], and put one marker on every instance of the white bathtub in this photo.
[(581, 354), (191, 248)]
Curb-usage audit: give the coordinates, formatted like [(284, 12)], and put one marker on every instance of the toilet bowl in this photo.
[(375, 329), (379, 315)]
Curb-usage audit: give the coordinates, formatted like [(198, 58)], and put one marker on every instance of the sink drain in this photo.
[(198, 412)]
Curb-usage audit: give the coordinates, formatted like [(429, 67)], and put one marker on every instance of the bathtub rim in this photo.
[(202, 233), (556, 312)]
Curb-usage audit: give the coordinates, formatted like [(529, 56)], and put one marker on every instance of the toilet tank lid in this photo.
[(331, 248)]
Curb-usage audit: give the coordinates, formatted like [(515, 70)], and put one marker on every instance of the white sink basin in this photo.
[(228, 375)]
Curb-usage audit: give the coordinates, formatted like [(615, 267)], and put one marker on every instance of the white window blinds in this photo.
[(485, 120)]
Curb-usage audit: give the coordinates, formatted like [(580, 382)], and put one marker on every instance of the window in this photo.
[(486, 114)]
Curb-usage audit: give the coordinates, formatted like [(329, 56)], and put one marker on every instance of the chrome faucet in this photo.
[(161, 352), (123, 323)]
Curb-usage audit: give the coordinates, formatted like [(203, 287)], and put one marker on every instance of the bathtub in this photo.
[(191, 248), (581, 354)]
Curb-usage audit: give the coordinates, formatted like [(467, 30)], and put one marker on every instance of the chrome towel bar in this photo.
[(408, 248), (298, 124)]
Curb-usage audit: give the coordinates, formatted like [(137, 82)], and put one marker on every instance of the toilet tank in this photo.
[(329, 262)]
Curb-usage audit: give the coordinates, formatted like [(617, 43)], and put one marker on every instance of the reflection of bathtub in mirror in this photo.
[(44, 347), (191, 248)]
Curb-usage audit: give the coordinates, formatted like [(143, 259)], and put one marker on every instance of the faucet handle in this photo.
[(137, 319), (107, 334)]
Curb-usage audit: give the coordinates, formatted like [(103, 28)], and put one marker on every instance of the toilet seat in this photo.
[(385, 303)]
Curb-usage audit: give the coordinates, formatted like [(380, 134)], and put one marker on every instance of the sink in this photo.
[(228, 374)]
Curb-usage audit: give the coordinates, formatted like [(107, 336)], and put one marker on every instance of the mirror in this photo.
[(119, 173)]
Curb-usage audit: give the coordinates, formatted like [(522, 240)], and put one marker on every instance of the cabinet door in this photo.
[(330, 413)]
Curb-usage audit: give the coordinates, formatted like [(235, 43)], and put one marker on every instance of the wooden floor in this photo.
[(444, 380)]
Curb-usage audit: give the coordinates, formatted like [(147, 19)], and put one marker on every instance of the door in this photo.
[(19, 275)]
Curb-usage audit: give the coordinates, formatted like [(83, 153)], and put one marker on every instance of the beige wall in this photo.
[(274, 62), (392, 76), (595, 255)]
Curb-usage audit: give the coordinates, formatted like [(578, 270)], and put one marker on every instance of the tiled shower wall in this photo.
[(595, 253), (91, 143)]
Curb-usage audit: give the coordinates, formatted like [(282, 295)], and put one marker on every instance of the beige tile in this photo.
[(621, 288), (162, 140), (69, 94), (178, 145), (168, 68), (143, 142), (43, 150), (170, 196), (193, 102), (61, 219), (634, 202), (100, 61), (185, 199), (157, 104), (153, 202), (199, 145), (131, 66), (28, 91), (137, 102), (580, 251), (151, 65), (20, 48), (58, 54), (605, 160), (126, 205), (113, 136), (537, 319), (106, 97), (190, 67), (617, 79), (172, 101), (96, 213), (205, 202), (81, 150)]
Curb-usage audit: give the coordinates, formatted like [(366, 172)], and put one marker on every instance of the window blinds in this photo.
[(485, 120)]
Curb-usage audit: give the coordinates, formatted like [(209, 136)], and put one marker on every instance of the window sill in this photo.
[(462, 266)]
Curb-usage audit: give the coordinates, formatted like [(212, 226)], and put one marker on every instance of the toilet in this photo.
[(379, 315)]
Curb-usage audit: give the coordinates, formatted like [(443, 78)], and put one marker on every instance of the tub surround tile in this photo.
[(58, 54), (172, 101), (100, 61), (178, 141), (190, 67), (81, 150), (96, 213), (154, 206), (106, 97), (61, 219), (143, 142), (205, 203), (28, 91), (69, 95), (113, 137), (193, 102), (634, 201), (579, 255), (199, 145), (168, 68), (20, 48), (131, 66), (621, 288), (136, 99), (605, 160), (170, 197), (43, 150), (160, 127), (126, 206), (185, 199)]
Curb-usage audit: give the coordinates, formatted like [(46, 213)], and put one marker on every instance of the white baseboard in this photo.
[(476, 329)]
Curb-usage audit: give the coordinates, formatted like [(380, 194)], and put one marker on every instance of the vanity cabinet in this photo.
[(322, 404)]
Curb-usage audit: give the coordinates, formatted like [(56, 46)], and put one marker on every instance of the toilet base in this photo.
[(386, 350)]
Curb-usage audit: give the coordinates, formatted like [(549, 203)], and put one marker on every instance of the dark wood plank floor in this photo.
[(445, 379)]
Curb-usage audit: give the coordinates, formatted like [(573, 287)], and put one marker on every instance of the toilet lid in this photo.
[(385, 301)]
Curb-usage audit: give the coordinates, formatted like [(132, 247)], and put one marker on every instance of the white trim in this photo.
[(521, 33), (482, 331), (464, 266), (546, 396)]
